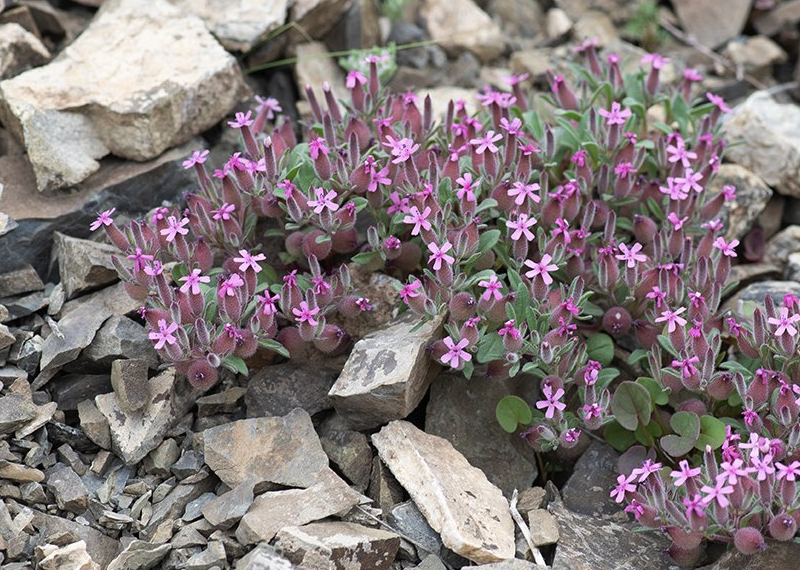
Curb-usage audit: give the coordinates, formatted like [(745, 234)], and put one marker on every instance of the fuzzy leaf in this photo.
[(235, 365), (274, 346), (512, 411), (712, 432), (658, 394), (600, 347), (631, 405), (618, 437), (686, 426)]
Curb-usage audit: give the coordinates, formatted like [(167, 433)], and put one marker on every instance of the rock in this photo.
[(263, 557), (792, 271), (338, 545), (520, 18), (83, 265), (557, 23), (317, 17), (315, 67), (543, 527), (383, 487), (770, 144), (619, 11), (129, 380), (586, 491), (101, 548), (226, 510), (173, 505), (755, 294), (211, 557), (226, 402), (531, 499), (783, 16), (755, 55), (135, 434), (462, 412), (456, 498), (19, 50), (94, 424), (140, 555), (71, 557), (458, 25), (777, 555), (752, 195), (535, 62), (132, 111), (19, 307), (387, 373), (33, 493), (191, 462), (16, 410), (587, 542), (351, 453), (272, 390), (238, 25), (159, 461), (594, 25), (121, 337), (782, 245), (430, 562), (187, 537), (19, 473), (411, 524), (771, 218), (22, 280), (407, 33), (70, 492), (710, 22), (68, 456), (283, 450), (465, 71), (275, 510), (43, 415)]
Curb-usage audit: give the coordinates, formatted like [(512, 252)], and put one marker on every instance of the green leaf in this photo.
[(712, 432), (637, 355), (667, 344), (631, 405), (512, 411), (618, 437), (366, 257), (490, 348), (686, 426), (658, 394), (274, 346), (600, 347), (235, 365), (605, 377), (488, 240)]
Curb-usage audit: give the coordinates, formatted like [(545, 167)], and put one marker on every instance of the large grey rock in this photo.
[(103, 549), (351, 453), (755, 55), (140, 555), (121, 337), (586, 491), (462, 412), (457, 500), (777, 555), (70, 492), (82, 264), (263, 557), (91, 101), (458, 25), (411, 524), (387, 373), (70, 557), (713, 23), (171, 507), (283, 450), (226, 510), (129, 380), (317, 17), (238, 25), (19, 50), (752, 195), (769, 141), (332, 545), (782, 245), (22, 280), (16, 410), (272, 390), (755, 293)]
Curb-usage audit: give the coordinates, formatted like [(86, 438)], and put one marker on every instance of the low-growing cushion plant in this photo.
[(573, 237)]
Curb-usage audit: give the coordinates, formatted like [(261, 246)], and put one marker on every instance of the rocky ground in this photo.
[(375, 460)]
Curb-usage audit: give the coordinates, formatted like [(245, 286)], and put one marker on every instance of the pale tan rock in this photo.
[(752, 196), (543, 527), (283, 450), (314, 67), (317, 17), (239, 24), (458, 25), (44, 414), (19, 50), (70, 557), (162, 80), (94, 424), (594, 25), (755, 55), (275, 510), (457, 500), (140, 554), (712, 22), (557, 23), (387, 373)]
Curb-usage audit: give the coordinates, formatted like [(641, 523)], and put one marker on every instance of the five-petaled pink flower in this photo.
[(524, 192), (455, 354), (729, 248), (324, 200), (672, 319), (305, 314), (175, 228), (439, 254), (228, 286), (401, 149), (687, 366), (551, 401), (684, 474), (631, 255), (624, 485), (784, 322), (192, 282), (677, 223), (616, 116), (268, 303), (492, 287), (355, 77), (250, 261), (198, 157), (466, 187), (242, 120), (164, 334), (409, 291), (543, 268), (270, 105), (420, 220), (717, 492), (140, 259), (521, 227), (224, 212), (719, 102), (103, 219), (316, 147), (486, 142)]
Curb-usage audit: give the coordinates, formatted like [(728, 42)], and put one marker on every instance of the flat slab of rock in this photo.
[(387, 373), (70, 557), (103, 549), (140, 555), (752, 195), (458, 25), (712, 22), (777, 555), (91, 101), (82, 264), (283, 450), (458, 501), (19, 50), (16, 410), (70, 492), (319, 546), (272, 391)]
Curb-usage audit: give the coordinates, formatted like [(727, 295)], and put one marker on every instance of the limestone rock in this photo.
[(129, 380), (16, 410), (384, 489), (462, 412), (351, 453), (82, 264), (782, 16), (272, 390), (19, 473), (777, 555), (458, 25), (19, 50), (121, 337), (263, 557), (755, 293), (212, 557), (22, 280), (103, 549), (770, 147), (275, 510), (172, 506), (70, 492), (225, 511), (91, 101), (586, 491), (70, 557), (595, 25), (283, 450), (387, 373), (331, 545), (94, 424), (713, 23), (755, 55), (543, 527), (618, 10), (521, 18), (782, 245), (456, 498), (752, 195), (238, 25), (159, 461), (140, 555), (557, 23), (315, 67), (317, 17)]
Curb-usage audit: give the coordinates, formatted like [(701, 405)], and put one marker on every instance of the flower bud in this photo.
[(782, 527), (320, 249), (201, 374), (462, 306), (617, 321), (332, 339), (749, 540)]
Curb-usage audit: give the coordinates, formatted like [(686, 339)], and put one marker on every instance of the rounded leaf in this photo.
[(600, 347), (512, 411), (686, 426), (618, 437), (631, 405), (712, 432)]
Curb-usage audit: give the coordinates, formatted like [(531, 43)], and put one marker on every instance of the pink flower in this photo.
[(591, 411), (363, 304), (440, 254), (657, 295), (524, 192), (684, 474), (789, 472), (316, 147), (175, 228), (324, 200), (694, 506), (689, 181), (551, 401), (673, 189), (164, 334), (648, 467), (354, 77), (542, 268), (380, 177), (402, 149), (139, 259), (409, 291), (687, 366), (678, 153), (466, 186), (717, 492), (242, 120), (658, 61), (509, 328), (229, 286), (270, 105), (268, 303), (198, 157), (420, 220), (732, 470), (455, 352), (692, 75), (632, 255), (103, 219), (492, 287), (616, 116), (520, 227), (719, 102), (784, 322), (624, 485), (224, 212), (250, 261), (677, 223), (714, 225), (672, 319), (305, 314), (192, 282), (486, 143), (636, 508), (513, 127), (729, 248)]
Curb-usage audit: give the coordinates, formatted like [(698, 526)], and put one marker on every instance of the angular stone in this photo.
[(586, 491), (543, 527), (275, 510), (713, 23), (782, 16), (752, 195), (226, 402), (531, 499), (94, 424), (19, 50), (211, 557), (238, 25), (83, 265), (121, 337), (19, 473), (782, 245), (557, 23), (224, 511), (189, 463), (159, 461), (520, 18), (458, 25), (315, 67), (70, 557), (68, 456), (173, 505), (462, 412), (22, 280), (283, 450), (351, 453), (263, 557), (43, 415), (411, 524), (135, 112), (70, 492), (6, 337), (618, 10), (272, 391), (778, 555), (770, 147), (187, 537), (16, 410), (588, 542), (140, 555), (100, 547), (383, 487), (387, 373), (598, 26), (755, 293), (755, 55), (317, 17), (334, 545), (457, 500), (129, 380)]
